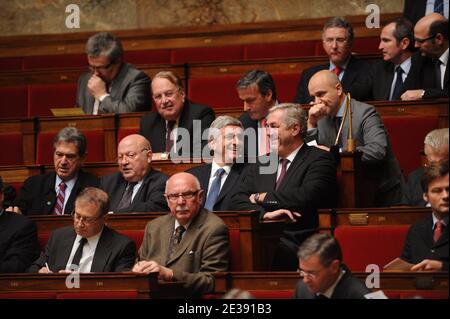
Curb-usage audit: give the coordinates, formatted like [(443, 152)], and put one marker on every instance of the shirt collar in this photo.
[(343, 66), (329, 292), (340, 113), (185, 226), (93, 240), (70, 183), (435, 220), (215, 167), (291, 156), (405, 65), (444, 57)]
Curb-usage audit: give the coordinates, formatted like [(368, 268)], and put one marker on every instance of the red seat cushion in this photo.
[(136, 235), (225, 53), (123, 132), (147, 56), (11, 63), (13, 101), (279, 50), (364, 245), (42, 98), (55, 61), (410, 129), (98, 295), (286, 86), (235, 250), (14, 153), (43, 238), (216, 91)]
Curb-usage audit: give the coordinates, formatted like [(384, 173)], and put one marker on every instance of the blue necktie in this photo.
[(439, 6), (214, 191), (398, 87)]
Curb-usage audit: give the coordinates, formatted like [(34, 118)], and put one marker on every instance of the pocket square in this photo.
[(191, 252)]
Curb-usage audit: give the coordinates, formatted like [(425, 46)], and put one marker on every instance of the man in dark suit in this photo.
[(289, 184), (431, 35), (436, 151), (416, 9), (219, 180), (324, 274), (256, 89), (136, 188), (18, 240), (337, 38), (190, 244), (380, 166), (426, 244), (55, 192), (178, 124), (88, 246), (111, 85)]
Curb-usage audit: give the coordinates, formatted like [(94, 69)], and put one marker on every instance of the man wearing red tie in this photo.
[(426, 245)]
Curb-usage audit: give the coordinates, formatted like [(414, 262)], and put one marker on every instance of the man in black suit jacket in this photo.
[(176, 117), (219, 179), (136, 188), (416, 9), (88, 246), (111, 86), (18, 240), (337, 42), (39, 194), (436, 151), (426, 244), (289, 184), (324, 275), (431, 35)]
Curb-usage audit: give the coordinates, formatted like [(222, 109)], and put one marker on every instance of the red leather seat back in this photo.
[(43, 97), (43, 238), (11, 63), (13, 153), (77, 60), (207, 54), (123, 132), (158, 56), (286, 86), (13, 101), (214, 91), (235, 250), (136, 235), (279, 50)]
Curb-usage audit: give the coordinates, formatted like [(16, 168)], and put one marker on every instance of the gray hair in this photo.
[(171, 77), (294, 114), (325, 246), (437, 139), (105, 44), (262, 79), (220, 122), (95, 196), (197, 183), (340, 22), (74, 136)]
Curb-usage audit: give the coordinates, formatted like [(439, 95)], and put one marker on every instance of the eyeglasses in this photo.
[(424, 40), (185, 195), (130, 155), (330, 41), (100, 68), (310, 274), (69, 156), (85, 220)]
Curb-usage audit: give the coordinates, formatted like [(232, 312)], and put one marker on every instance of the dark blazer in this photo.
[(349, 287), (309, 184), (413, 194), (19, 245), (430, 85), (153, 126), (129, 92), (419, 244), (114, 252), (248, 123), (149, 198), (355, 72), (38, 196), (414, 10), (203, 250), (228, 189)]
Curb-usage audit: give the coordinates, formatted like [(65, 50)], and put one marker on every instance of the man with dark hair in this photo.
[(54, 193), (324, 274), (89, 245), (431, 35), (18, 240), (256, 89), (337, 36), (426, 244), (111, 86)]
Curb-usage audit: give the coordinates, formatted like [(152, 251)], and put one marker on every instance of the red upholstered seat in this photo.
[(235, 250), (425, 294), (55, 61), (13, 101), (13, 155), (279, 50), (365, 45), (207, 54), (43, 238), (122, 132), (147, 56), (286, 86), (407, 135), (28, 295), (98, 295), (272, 294), (364, 245), (214, 91), (136, 235), (11, 63), (44, 97)]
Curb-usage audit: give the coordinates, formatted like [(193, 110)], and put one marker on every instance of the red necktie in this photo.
[(284, 163), (59, 206), (169, 138), (337, 70), (437, 231)]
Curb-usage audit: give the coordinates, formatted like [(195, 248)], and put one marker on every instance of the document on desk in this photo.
[(398, 264)]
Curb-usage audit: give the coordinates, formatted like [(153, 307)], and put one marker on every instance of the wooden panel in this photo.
[(18, 174)]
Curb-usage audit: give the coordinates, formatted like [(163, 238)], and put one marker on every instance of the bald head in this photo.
[(427, 20), (431, 34), (134, 156), (326, 89), (183, 178), (137, 140), (326, 77)]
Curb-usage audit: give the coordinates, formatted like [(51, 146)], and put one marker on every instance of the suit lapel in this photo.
[(426, 231), (50, 194), (349, 74), (102, 251), (118, 191), (229, 183), (115, 87), (205, 173), (62, 258), (293, 168), (389, 76)]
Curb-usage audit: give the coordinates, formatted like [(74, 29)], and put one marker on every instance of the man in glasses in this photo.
[(111, 86), (337, 38), (324, 276), (88, 246), (54, 193), (136, 188), (431, 35), (190, 244)]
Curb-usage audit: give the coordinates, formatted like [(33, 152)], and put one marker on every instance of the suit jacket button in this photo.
[(432, 250), (49, 203)]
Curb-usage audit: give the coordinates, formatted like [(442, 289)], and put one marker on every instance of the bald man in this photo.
[(136, 188), (370, 136), (431, 36), (190, 244)]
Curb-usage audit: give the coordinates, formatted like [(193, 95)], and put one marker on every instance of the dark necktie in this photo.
[(439, 6), (337, 70), (169, 139), (398, 85), (214, 191), (127, 195), (284, 162), (437, 73), (438, 230), (175, 240), (59, 205), (79, 253)]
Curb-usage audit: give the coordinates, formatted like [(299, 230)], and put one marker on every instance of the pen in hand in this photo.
[(48, 269)]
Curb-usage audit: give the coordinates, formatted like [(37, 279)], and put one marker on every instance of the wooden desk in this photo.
[(146, 286)]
